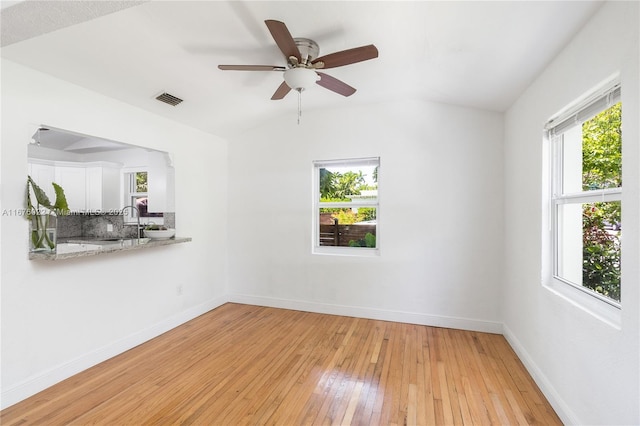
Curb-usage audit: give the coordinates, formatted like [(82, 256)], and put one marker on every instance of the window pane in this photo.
[(348, 227), (589, 246), (592, 153), (572, 160), (569, 243), (348, 183), (602, 150), (141, 202), (141, 182)]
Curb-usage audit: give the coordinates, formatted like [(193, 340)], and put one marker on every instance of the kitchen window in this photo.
[(137, 195)]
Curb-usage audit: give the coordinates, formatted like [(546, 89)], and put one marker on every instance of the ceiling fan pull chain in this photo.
[(299, 105)]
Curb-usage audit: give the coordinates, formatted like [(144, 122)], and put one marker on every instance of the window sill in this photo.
[(599, 309), (346, 251)]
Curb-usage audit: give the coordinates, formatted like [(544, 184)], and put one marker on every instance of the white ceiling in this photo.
[(477, 54)]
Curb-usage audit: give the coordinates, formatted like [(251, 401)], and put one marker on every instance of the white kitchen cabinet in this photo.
[(73, 180), (161, 183), (157, 192), (92, 186), (103, 188), (43, 175)]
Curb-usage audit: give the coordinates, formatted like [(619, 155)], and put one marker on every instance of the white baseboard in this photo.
[(562, 409), (371, 313), (35, 384)]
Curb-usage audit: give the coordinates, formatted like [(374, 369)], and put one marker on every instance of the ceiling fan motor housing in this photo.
[(309, 50)]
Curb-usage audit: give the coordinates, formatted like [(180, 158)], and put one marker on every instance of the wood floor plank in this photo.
[(242, 365), (454, 375), (376, 382), (426, 389)]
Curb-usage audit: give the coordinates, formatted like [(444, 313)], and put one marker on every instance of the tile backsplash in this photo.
[(95, 226), (69, 226)]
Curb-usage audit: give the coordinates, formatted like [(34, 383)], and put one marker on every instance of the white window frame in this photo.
[(129, 215), (317, 205), (607, 95)]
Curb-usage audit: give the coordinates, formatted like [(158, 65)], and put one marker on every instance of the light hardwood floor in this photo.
[(242, 364)]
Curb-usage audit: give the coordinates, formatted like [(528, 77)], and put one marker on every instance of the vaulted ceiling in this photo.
[(477, 54)]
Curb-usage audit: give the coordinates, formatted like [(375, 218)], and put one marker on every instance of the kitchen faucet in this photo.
[(137, 216)]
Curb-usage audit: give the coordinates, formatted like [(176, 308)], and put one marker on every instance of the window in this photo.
[(586, 195), (346, 209), (136, 194)]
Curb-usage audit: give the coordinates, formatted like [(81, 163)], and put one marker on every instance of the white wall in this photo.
[(61, 317), (440, 227), (588, 368), (460, 215)]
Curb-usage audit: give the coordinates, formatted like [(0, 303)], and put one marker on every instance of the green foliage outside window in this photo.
[(338, 187), (367, 213), (601, 249), (601, 169), (602, 150), (141, 182), (348, 217), (368, 241)]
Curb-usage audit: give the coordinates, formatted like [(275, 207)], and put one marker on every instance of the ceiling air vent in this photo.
[(169, 99)]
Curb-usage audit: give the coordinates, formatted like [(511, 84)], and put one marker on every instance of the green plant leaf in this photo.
[(29, 215), (34, 238), (60, 207), (41, 196)]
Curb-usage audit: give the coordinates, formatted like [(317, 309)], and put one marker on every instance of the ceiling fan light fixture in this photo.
[(300, 78)]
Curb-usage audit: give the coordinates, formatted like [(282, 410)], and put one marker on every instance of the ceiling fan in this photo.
[(303, 63)]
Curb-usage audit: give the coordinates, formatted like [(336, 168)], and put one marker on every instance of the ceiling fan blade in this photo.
[(335, 85), (346, 57), (283, 38), (281, 92), (251, 68)]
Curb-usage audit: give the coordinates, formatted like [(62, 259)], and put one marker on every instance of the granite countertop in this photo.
[(71, 248)]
